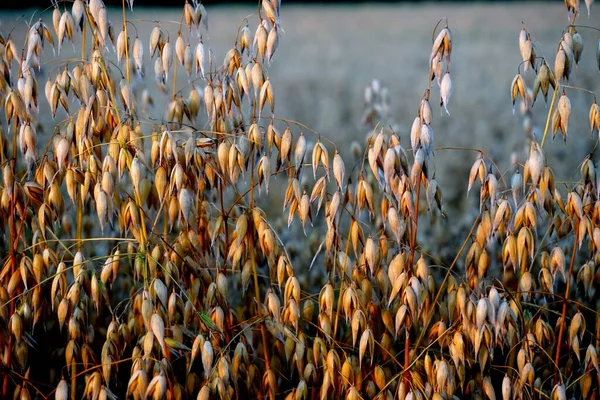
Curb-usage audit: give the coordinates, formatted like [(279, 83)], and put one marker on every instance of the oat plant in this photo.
[(143, 257)]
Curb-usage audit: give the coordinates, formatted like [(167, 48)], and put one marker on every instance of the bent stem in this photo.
[(255, 277), (549, 117), (556, 89), (126, 43), (345, 263), (13, 240), (411, 259), (446, 277), (558, 377)]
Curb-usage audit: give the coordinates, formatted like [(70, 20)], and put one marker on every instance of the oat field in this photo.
[(251, 202), (321, 82)]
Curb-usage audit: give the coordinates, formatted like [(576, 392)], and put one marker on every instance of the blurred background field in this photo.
[(328, 55)]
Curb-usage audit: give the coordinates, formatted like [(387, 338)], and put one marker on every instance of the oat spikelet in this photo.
[(260, 40), (339, 170), (77, 11), (445, 91), (200, 58), (525, 48), (167, 59), (272, 42), (137, 52)]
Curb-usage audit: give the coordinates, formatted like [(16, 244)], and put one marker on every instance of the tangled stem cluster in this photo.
[(140, 261)]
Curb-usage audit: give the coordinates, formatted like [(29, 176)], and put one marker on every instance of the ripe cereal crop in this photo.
[(212, 248)]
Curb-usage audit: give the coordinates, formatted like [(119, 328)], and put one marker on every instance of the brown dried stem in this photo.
[(558, 376)]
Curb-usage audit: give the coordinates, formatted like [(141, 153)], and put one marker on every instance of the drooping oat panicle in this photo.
[(270, 12), (232, 61), (442, 45), (478, 169), (572, 7), (562, 62), (437, 67), (94, 7), (77, 11), (8, 178), (266, 93), (156, 39), (560, 117), (246, 40), (525, 48), (434, 195), (121, 43), (445, 91), (264, 171), (535, 163), (201, 16), (425, 112), (272, 42), (62, 390), (426, 139), (200, 58), (159, 74), (242, 82), (188, 60), (415, 133), (127, 96), (102, 206), (316, 157), (55, 19), (594, 117), (66, 27), (257, 78), (518, 88), (157, 387), (598, 54), (166, 55), (543, 80), (339, 170), (577, 46), (588, 5), (186, 205), (260, 40), (103, 25), (516, 185), (180, 48), (299, 152), (10, 54), (189, 14), (27, 87), (137, 52), (34, 49), (276, 6), (158, 329)]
